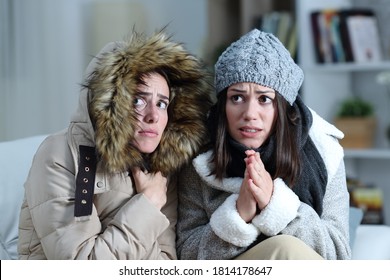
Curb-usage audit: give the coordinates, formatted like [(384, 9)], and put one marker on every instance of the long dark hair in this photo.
[(284, 131)]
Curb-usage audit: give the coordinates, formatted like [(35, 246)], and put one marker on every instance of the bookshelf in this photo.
[(228, 20), (249, 10), (326, 85)]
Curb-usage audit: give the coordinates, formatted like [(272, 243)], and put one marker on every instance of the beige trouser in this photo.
[(280, 247)]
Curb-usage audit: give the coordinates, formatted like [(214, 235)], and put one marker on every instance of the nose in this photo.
[(151, 114), (251, 110)]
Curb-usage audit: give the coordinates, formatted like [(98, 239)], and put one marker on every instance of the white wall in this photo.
[(45, 46)]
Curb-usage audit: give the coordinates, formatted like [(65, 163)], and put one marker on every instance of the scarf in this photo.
[(311, 184)]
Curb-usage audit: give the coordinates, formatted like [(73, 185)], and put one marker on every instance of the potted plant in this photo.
[(356, 119)]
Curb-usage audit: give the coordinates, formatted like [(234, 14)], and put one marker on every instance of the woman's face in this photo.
[(250, 113), (151, 103)]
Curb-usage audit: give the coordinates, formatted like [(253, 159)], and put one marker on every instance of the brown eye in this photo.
[(236, 98), (163, 105), (264, 99)]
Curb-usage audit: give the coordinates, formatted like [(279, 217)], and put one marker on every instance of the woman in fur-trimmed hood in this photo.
[(104, 188)]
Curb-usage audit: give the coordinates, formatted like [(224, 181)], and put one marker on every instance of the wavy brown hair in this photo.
[(284, 131)]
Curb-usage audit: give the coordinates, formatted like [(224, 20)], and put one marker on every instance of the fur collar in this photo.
[(324, 136), (110, 85), (202, 166)]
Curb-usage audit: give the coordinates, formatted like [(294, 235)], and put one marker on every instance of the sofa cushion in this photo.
[(15, 161), (372, 243)]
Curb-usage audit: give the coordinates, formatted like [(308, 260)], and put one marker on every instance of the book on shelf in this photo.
[(292, 44), (346, 35), (322, 22)]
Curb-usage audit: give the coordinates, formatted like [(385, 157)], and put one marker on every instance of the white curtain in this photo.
[(41, 65), (45, 46)]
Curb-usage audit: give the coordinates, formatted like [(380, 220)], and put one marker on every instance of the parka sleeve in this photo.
[(137, 230)]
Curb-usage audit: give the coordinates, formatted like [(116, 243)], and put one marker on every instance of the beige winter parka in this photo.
[(80, 202)]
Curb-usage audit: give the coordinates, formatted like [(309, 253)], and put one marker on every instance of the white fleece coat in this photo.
[(209, 226)]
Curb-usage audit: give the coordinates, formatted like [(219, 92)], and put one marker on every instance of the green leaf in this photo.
[(355, 107)]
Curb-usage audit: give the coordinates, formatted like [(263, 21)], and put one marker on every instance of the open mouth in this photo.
[(249, 130)]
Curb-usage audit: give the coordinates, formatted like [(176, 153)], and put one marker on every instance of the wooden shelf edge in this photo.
[(382, 153), (348, 67)]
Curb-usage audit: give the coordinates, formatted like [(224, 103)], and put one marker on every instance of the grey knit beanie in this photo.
[(259, 57)]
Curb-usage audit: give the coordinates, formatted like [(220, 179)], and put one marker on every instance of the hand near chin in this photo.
[(256, 189), (246, 203), (261, 183), (152, 185)]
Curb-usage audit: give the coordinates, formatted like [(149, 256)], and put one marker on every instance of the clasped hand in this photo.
[(152, 185), (256, 188)]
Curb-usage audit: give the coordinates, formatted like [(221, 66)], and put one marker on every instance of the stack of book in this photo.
[(369, 198), (346, 35)]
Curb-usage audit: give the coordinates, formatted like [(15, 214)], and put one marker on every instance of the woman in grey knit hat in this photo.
[(272, 183)]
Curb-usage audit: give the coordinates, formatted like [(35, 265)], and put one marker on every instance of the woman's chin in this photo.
[(147, 148), (251, 144)]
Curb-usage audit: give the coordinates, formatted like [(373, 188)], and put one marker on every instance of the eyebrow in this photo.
[(264, 91), (257, 91), (144, 93)]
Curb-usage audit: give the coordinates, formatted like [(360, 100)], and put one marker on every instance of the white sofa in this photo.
[(370, 242), (15, 161)]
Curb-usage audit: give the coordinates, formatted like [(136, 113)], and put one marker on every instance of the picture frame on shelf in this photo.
[(364, 38)]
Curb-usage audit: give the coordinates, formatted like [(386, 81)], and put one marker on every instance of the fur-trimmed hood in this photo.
[(107, 98)]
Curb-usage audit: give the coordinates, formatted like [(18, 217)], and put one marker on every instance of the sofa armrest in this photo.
[(372, 242), (15, 161)]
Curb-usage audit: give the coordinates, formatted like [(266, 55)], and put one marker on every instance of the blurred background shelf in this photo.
[(367, 154), (350, 67)]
